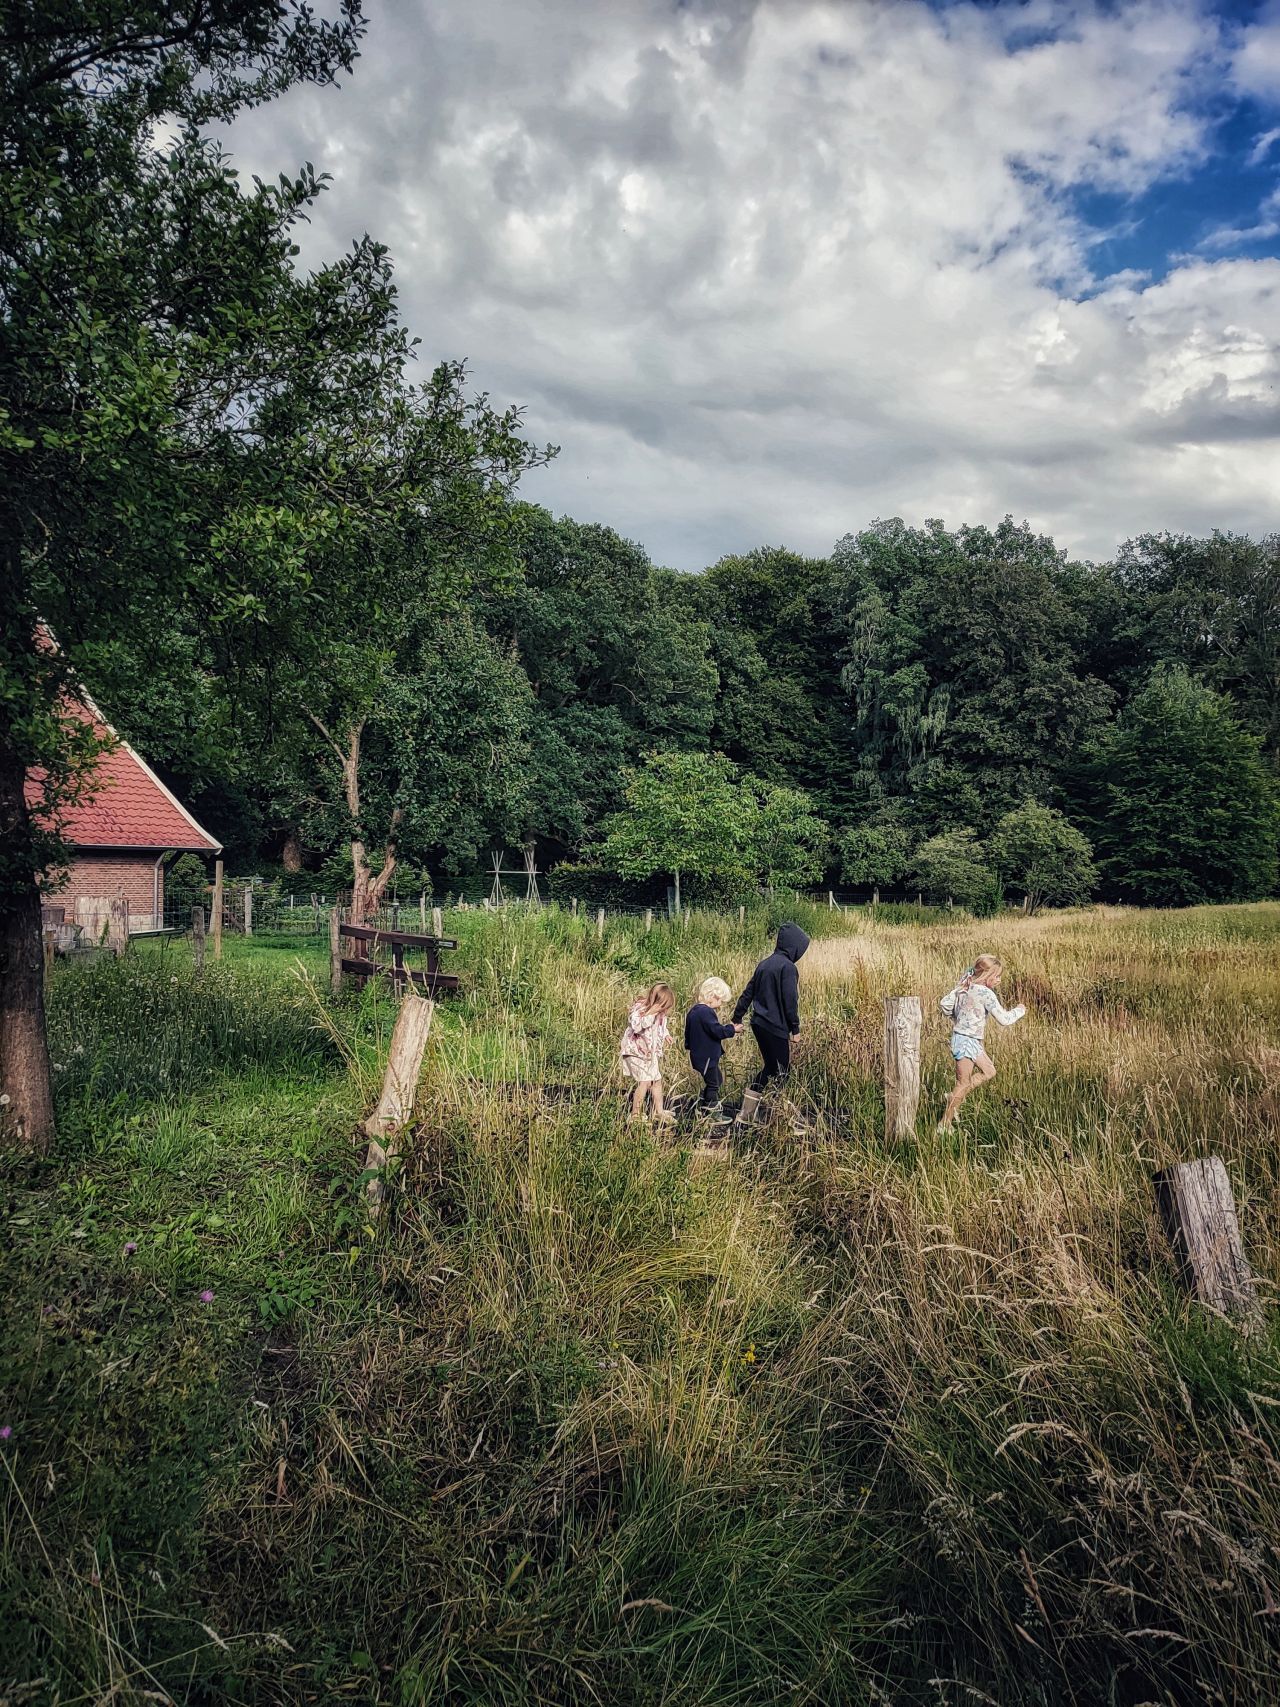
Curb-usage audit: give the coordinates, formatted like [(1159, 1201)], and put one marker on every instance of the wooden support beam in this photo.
[(335, 950), (197, 937), (1199, 1214), (217, 909), (902, 1019), (118, 925), (394, 1111)]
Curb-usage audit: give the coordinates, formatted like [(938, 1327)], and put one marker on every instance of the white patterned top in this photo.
[(967, 1010)]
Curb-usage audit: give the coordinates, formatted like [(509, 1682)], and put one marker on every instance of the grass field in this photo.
[(588, 1419)]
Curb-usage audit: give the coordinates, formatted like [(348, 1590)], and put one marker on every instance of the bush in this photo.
[(593, 886)]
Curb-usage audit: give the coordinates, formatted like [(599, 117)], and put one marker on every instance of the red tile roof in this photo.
[(129, 806)]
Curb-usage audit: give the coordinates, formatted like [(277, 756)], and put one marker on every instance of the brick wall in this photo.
[(100, 875)]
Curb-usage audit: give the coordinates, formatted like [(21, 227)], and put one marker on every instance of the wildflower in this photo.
[(206, 1297), (129, 1247), (5, 1432)]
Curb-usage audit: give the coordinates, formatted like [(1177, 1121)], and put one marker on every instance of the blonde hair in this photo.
[(659, 999), (713, 991), (982, 965)]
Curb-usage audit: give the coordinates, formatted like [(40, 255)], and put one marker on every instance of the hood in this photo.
[(792, 941)]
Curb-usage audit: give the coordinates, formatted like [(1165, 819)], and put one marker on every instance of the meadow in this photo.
[(589, 1418)]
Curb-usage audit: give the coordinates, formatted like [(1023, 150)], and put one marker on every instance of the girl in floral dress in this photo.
[(642, 1046)]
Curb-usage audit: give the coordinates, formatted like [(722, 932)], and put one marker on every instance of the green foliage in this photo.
[(1036, 851), (787, 843), (186, 885), (1180, 803), (598, 886), (874, 854), (954, 867), (683, 813)]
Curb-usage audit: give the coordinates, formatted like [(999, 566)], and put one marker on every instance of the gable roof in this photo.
[(128, 807)]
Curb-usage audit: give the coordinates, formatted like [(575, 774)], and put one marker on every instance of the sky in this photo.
[(767, 270)]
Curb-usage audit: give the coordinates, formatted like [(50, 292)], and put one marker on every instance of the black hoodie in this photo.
[(772, 995)]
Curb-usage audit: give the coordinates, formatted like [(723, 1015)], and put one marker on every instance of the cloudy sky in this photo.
[(766, 271)]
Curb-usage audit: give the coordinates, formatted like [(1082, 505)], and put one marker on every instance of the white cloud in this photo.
[(769, 270), (1256, 66)]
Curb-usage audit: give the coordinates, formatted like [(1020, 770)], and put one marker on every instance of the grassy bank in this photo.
[(588, 1420)]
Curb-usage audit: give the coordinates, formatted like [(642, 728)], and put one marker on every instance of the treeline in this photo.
[(967, 711)]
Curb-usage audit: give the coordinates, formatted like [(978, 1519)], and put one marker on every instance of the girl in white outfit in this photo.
[(967, 1006)]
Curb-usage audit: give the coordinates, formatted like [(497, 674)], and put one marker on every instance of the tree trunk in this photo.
[(291, 852), (677, 894), (26, 1114)]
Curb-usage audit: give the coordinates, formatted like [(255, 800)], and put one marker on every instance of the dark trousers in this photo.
[(712, 1081), (775, 1056)]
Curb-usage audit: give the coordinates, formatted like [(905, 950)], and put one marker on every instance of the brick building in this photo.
[(122, 834)]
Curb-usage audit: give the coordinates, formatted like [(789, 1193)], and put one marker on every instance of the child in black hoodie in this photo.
[(773, 998)]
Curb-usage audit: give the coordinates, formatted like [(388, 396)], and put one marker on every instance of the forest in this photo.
[(919, 688)]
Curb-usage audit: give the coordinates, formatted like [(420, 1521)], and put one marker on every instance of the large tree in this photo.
[(684, 814), (1180, 803), (178, 440)]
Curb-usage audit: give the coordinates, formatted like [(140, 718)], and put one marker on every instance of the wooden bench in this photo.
[(433, 981)]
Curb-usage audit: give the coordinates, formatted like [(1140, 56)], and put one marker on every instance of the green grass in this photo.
[(587, 1420)]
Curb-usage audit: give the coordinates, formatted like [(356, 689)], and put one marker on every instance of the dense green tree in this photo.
[(1179, 800), (874, 854), (1038, 852), (954, 867), (787, 842), (154, 334), (962, 667), (684, 814)]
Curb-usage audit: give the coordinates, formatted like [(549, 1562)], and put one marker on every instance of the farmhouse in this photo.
[(122, 832)]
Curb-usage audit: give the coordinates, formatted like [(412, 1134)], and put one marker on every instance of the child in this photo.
[(967, 1006), (704, 1037), (773, 998), (642, 1045)]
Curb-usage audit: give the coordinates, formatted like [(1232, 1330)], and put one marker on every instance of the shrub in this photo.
[(1039, 852), (953, 867)]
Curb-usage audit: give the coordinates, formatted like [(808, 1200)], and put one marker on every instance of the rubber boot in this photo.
[(750, 1105)]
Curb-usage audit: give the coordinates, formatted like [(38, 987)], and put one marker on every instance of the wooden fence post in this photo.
[(1026, 903), (248, 910), (875, 897), (437, 922), (742, 914), (902, 1018), (1199, 1215), (46, 944), (831, 900), (399, 1090), (600, 923), (919, 899), (648, 920), (422, 911), (197, 937), (118, 925), (217, 909), (573, 906), (335, 950)]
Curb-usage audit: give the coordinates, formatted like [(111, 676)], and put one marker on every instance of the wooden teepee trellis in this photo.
[(530, 873)]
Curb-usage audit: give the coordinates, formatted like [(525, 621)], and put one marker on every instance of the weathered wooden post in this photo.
[(399, 1090), (875, 897), (573, 906), (248, 909), (437, 922), (1026, 904), (197, 937), (902, 1018), (1199, 1215), (118, 925), (217, 909), (648, 920), (951, 906), (742, 915), (422, 911), (600, 923), (831, 900), (919, 898), (46, 944), (335, 950)]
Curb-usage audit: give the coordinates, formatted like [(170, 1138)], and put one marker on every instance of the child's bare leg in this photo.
[(964, 1084), (637, 1100), (655, 1091)]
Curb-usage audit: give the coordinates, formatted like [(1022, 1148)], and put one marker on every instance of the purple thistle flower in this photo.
[(129, 1248), (206, 1297), (5, 1432)]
